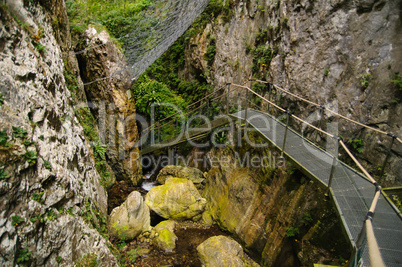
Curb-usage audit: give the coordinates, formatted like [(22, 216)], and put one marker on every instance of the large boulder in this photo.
[(165, 238), (223, 251), (131, 218), (170, 171), (177, 199)]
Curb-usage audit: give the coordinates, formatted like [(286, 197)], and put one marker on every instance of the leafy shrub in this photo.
[(211, 52), (31, 157), (17, 220), (47, 165), (19, 132), (132, 255), (364, 79), (23, 255), (357, 144), (3, 175), (154, 92), (37, 197), (3, 138), (292, 231)]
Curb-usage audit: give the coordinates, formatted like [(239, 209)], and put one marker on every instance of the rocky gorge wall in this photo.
[(280, 217), (339, 54), (53, 206)]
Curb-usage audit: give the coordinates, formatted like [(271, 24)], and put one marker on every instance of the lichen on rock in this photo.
[(223, 251), (165, 238), (131, 218), (177, 199)]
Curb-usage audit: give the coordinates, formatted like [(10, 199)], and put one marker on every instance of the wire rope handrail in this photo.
[(374, 251), (333, 112)]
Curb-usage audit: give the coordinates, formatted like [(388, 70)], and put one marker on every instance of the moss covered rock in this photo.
[(166, 239), (131, 218), (223, 251), (170, 171), (177, 199)]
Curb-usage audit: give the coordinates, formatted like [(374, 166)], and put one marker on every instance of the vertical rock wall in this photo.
[(50, 197), (323, 51)]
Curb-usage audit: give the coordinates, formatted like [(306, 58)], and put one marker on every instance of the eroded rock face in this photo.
[(107, 90), (165, 239), (51, 188), (322, 49), (189, 173), (177, 199), (131, 218), (222, 251), (260, 205)]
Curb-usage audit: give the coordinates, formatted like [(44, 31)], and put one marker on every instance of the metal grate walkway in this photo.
[(352, 192)]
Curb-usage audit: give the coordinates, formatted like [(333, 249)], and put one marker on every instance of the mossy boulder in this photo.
[(170, 171), (131, 218), (165, 238), (177, 199), (223, 251)]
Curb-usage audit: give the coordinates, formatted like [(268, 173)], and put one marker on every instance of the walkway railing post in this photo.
[(334, 161), (286, 131), (245, 113), (227, 99), (388, 154), (269, 95)]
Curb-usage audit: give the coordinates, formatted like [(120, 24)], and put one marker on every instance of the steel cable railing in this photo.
[(374, 251)]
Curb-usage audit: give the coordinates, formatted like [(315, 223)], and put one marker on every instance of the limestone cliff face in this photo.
[(281, 218), (50, 195), (323, 51), (103, 69)]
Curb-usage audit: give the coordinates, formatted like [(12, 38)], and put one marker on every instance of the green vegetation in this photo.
[(119, 17), (37, 197), (211, 52), (4, 139), (39, 47), (47, 165), (307, 219), (31, 157), (88, 123), (132, 256), (397, 80), (51, 215), (364, 79), (149, 92), (3, 175), (263, 57), (23, 255), (1, 99), (326, 72), (59, 259), (94, 217), (88, 260), (71, 82), (17, 220), (397, 202), (357, 144), (19, 132), (292, 231)]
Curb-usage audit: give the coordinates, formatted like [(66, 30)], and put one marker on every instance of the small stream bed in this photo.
[(190, 235)]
